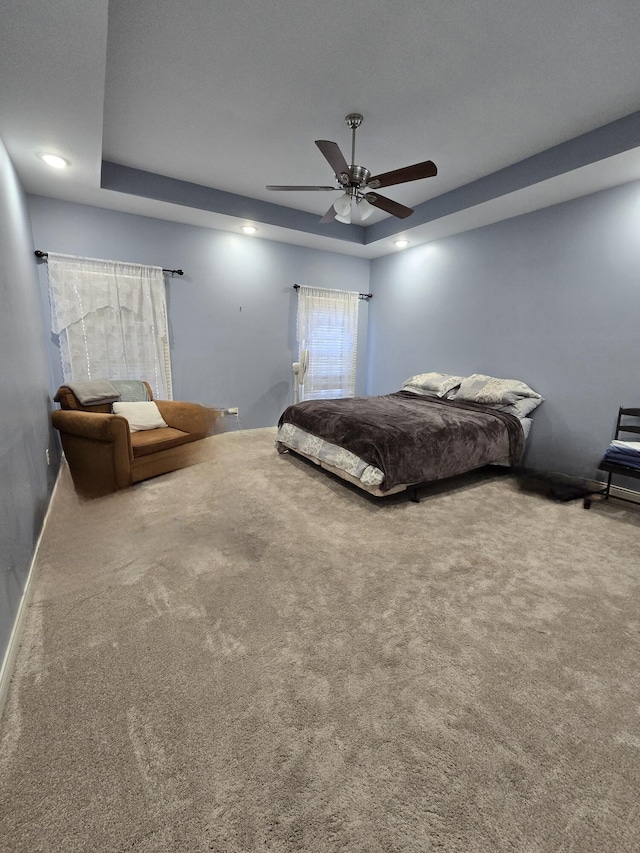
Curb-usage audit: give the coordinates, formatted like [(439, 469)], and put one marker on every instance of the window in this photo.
[(111, 321), (328, 329)]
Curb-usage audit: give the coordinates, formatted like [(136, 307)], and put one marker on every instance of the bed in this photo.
[(435, 427)]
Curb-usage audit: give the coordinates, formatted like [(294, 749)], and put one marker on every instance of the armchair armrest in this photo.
[(188, 417), (97, 447), (98, 426)]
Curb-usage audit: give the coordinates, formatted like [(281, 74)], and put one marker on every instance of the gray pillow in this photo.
[(522, 408), (494, 392), (432, 384)]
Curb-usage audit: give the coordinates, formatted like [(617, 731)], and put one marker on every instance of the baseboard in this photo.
[(16, 634), (630, 495), (627, 494)]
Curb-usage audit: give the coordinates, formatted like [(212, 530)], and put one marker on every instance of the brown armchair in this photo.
[(104, 455)]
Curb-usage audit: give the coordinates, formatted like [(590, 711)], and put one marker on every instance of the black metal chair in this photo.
[(628, 422)]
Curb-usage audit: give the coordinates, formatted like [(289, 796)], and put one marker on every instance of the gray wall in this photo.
[(26, 481), (232, 315), (552, 298)]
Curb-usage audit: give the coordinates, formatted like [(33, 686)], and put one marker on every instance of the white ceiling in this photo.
[(231, 95)]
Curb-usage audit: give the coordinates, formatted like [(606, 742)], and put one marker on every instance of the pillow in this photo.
[(140, 415), (497, 393), (522, 408), (432, 384), (414, 390)]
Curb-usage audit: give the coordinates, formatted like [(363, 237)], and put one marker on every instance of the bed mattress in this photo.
[(347, 465)]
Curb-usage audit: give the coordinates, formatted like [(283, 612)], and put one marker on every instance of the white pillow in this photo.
[(140, 415)]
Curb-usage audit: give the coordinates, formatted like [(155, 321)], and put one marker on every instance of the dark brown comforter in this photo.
[(412, 439)]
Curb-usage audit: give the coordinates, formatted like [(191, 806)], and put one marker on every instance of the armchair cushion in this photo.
[(146, 442)]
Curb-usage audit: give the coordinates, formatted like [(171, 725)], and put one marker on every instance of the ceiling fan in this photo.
[(357, 183)]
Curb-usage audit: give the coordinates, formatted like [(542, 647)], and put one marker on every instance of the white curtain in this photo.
[(328, 329), (111, 321)]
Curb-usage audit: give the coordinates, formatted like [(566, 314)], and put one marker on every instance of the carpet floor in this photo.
[(250, 655)]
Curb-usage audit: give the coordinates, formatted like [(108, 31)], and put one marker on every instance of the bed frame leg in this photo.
[(415, 496)]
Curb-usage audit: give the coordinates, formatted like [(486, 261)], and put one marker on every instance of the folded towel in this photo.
[(618, 456), (628, 446), (92, 391), (131, 390)]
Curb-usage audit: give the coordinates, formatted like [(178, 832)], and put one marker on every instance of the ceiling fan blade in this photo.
[(388, 205), (335, 158), (401, 176), (303, 189), (329, 216)]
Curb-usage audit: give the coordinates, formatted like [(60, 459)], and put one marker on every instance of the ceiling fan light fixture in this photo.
[(346, 219), (364, 209), (342, 205)]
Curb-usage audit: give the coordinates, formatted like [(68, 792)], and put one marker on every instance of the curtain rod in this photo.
[(361, 295), (45, 255)]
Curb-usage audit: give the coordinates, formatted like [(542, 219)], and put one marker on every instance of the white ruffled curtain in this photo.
[(111, 321), (328, 329)]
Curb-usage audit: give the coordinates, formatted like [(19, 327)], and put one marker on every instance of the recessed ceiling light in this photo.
[(249, 229), (54, 160), (401, 244)]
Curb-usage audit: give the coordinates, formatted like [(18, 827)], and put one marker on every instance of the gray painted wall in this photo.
[(26, 481), (232, 315), (552, 298)]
